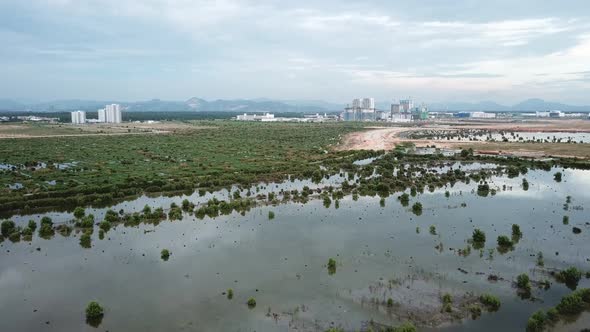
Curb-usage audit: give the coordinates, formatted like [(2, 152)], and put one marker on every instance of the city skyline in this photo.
[(465, 51)]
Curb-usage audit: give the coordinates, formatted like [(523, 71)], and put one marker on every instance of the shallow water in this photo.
[(561, 137), (281, 262)]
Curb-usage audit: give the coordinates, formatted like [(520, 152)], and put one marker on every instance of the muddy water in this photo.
[(281, 263)]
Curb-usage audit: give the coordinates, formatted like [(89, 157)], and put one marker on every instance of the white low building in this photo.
[(483, 115), (256, 117)]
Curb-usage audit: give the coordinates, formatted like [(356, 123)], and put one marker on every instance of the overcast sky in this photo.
[(433, 50)]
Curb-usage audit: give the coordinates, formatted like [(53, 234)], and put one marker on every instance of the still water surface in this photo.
[(281, 262)]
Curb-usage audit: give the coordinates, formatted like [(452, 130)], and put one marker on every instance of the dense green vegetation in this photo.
[(570, 305), (99, 170)]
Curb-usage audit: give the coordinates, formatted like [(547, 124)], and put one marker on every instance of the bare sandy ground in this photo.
[(386, 138)]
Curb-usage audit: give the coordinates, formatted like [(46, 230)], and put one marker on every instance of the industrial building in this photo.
[(256, 117), (475, 115), (78, 117), (361, 110)]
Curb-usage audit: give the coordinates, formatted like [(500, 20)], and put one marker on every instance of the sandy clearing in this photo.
[(386, 138)]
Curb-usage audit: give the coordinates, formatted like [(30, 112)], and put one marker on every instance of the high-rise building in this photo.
[(102, 117), (112, 113), (361, 110), (78, 117), (356, 103), (406, 105), (368, 104)]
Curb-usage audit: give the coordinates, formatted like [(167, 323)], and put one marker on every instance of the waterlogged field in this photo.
[(478, 135), (310, 260), (102, 170)]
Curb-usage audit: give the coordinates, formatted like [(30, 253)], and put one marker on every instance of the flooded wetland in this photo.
[(385, 240)]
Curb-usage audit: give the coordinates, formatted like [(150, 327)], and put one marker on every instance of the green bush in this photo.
[(104, 225), (552, 315), (230, 294), (271, 215), (504, 241), (536, 322), (94, 310), (571, 304), (79, 212), (46, 230), (405, 327), (475, 311), (46, 221), (7, 227), (432, 229), (331, 266), (251, 302), (523, 282), (478, 236), (86, 240), (86, 222), (570, 276), (165, 254), (32, 225), (516, 231), (404, 199), (14, 236), (492, 303), (417, 208)]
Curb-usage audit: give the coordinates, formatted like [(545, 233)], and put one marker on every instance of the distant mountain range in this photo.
[(529, 105), (192, 105), (269, 105)]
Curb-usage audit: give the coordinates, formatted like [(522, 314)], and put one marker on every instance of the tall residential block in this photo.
[(78, 117)]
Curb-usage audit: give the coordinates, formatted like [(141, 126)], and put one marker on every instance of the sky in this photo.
[(431, 50)]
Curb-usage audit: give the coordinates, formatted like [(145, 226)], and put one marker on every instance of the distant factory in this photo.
[(269, 117), (475, 115), (110, 114)]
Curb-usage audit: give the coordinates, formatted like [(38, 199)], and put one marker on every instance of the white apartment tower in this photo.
[(102, 116), (361, 110), (356, 103), (78, 117), (112, 113), (368, 103)]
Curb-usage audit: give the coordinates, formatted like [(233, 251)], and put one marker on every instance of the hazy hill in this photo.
[(196, 104)]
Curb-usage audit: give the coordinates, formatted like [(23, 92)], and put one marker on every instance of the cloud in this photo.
[(372, 46)]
